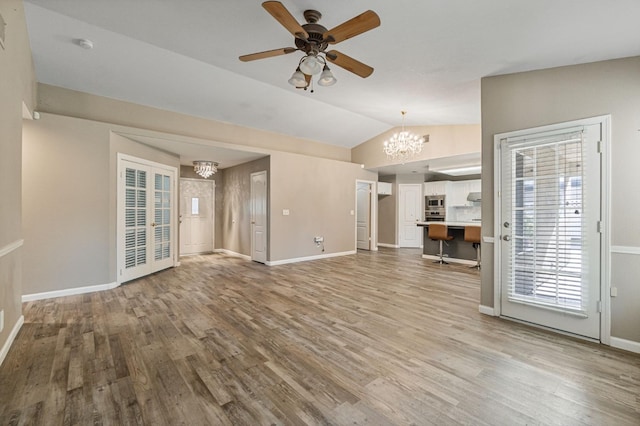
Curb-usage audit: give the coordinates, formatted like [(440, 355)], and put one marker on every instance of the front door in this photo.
[(196, 215), (363, 215), (146, 218), (409, 213), (259, 216), (550, 240)]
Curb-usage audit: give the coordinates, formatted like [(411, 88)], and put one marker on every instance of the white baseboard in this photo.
[(627, 345), (12, 336), (388, 245), (232, 253), (450, 259), (304, 259), (68, 292), (487, 310)]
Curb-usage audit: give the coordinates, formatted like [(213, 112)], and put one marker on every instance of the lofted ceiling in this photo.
[(428, 56)]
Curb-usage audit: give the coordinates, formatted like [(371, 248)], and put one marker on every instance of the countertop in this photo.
[(451, 224)]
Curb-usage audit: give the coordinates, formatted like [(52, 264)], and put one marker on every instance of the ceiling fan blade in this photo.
[(282, 15), (354, 26), (267, 54), (349, 64)]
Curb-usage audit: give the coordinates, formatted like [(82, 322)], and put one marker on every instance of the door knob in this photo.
[(506, 238)]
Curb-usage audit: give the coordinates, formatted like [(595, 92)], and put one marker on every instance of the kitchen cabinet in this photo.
[(460, 190), (437, 188), (384, 188)]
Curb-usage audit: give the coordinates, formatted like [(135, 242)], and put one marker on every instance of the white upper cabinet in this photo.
[(437, 188), (384, 188)]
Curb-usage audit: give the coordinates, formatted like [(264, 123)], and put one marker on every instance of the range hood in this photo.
[(474, 196)]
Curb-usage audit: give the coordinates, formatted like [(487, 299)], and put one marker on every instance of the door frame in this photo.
[(120, 209), (605, 215), (213, 213), (373, 220)]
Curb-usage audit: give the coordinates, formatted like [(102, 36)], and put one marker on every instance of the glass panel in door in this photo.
[(550, 244)]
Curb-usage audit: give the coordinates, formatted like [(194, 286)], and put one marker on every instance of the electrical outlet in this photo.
[(318, 240), (1, 320)]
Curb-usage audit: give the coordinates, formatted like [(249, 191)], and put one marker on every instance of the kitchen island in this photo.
[(456, 250)]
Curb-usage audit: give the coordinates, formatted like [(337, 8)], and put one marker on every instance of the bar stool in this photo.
[(473, 235), (440, 233)]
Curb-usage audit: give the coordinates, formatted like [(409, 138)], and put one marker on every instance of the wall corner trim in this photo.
[(10, 247), (12, 336), (487, 310), (304, 259), (627, 345), (68, 292)]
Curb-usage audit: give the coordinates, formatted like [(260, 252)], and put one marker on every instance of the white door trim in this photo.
[(373, 206), (605, 214)]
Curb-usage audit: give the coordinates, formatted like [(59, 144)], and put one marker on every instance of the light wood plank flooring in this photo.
[(381, 338)]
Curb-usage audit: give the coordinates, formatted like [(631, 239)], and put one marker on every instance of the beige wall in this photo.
[(62, 101), (69, 201), (444, 141), (388, 213), (320, 195), (17, 85), (525, 100)]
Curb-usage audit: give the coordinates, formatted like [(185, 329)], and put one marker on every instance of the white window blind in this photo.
[(547, 261), (162, 219), (135, 217)]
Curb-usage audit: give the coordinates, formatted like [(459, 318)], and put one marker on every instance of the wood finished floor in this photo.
[(381, 338)]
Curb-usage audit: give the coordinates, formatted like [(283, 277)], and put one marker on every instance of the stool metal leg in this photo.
[(441, 260)]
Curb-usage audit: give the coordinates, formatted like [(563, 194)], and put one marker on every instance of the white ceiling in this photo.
[(429, 57)]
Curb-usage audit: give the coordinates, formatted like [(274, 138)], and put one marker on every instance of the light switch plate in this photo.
[(285, 212)]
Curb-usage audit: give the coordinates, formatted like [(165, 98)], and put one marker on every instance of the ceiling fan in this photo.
[(313, 39)]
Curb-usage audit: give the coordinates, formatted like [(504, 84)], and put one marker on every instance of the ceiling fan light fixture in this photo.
[(327, 78), (310, 65), (297, 79)]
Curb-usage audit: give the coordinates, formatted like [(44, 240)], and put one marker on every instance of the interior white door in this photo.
[(409, 213), (363, 215), (259, 216), (550, 216), (197, 206), (146, 218)]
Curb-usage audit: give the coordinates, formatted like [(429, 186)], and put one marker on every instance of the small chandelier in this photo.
[(403, 145), (205, 168)]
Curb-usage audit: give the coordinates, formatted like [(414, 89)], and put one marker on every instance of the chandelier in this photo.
[(403, 145), (205, 168)]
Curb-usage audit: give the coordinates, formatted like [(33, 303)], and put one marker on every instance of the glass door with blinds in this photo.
[(550, 229), (146, 218)]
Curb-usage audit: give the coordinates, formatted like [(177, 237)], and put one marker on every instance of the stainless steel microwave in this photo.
[(434, 201)]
